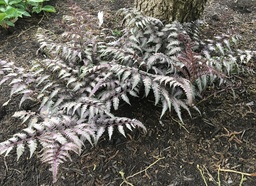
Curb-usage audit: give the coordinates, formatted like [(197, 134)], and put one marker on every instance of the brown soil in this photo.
[(222, 137)]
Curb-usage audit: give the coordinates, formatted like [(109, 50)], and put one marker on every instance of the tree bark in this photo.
[(170, 10)]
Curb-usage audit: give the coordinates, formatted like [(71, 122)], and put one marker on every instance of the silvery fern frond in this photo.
[(58, 132), (87, 72), (120, 123)]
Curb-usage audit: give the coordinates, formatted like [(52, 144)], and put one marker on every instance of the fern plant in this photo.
[(88, 71)]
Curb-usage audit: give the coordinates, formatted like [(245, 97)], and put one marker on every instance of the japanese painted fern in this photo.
[(87, 72)]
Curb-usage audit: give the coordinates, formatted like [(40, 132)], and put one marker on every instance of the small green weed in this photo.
[(117, 32)]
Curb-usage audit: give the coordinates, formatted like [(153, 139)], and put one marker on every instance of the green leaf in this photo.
[(25, 13), (48, 8), (11, 12), (2, 16), (14, 2), (2, 2), (35, 1), (2, 9), (36, 9)]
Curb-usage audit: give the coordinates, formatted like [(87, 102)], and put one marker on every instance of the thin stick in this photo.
[(135, 174), (219, 183), (5, 164), (237, 172), (202, 174), (26, 30), (124, 179), (144, 170), (181, 124), (242, 180)]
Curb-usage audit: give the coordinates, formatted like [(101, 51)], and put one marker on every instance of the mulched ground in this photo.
[(217, 146)]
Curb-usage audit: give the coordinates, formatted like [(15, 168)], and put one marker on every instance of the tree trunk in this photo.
[(170, 10)]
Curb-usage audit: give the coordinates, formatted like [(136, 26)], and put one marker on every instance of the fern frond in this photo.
[(56, 154), (87, 73), (119, 123), (56, 135), (175, 82)]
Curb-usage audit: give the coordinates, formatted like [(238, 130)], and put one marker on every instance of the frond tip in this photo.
[(117, 122), (56, 154)]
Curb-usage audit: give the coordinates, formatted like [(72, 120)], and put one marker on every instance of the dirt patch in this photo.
[(222, 137)]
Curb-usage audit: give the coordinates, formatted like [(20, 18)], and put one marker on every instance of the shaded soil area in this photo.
[(217, 146)]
